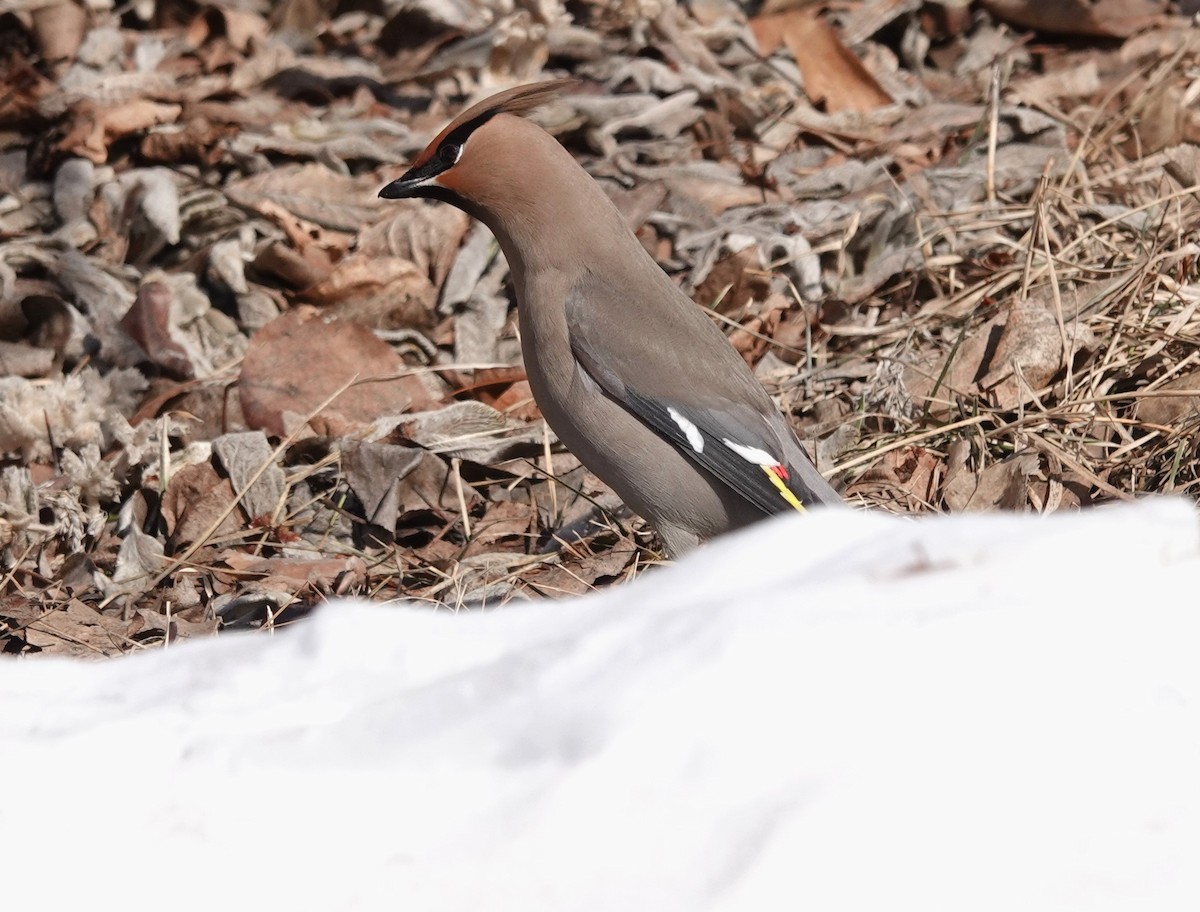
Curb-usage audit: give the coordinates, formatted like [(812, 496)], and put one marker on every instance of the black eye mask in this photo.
[(413, 182)]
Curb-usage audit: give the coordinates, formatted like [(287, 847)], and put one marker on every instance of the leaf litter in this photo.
[(956, 240)]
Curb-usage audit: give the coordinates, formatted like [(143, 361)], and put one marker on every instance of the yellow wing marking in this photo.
[(783, 489)]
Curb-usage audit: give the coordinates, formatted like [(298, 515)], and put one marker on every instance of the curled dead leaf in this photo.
[(94, 127), (381, 292), (148, 323), (139, 559), (292, 268)]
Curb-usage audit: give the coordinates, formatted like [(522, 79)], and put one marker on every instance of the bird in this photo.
[(631, 375)]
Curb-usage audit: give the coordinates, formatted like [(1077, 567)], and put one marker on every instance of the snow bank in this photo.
[(842, 711)]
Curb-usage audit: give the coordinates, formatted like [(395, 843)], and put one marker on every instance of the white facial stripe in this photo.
[(751, 454), (689, 429)]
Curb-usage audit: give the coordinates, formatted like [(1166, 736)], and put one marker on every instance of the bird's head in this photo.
[(485, 156)]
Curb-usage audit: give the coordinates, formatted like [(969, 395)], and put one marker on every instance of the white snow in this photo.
[(835, 711)]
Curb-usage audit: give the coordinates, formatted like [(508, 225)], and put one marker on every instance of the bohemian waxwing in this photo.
[(630, 374)]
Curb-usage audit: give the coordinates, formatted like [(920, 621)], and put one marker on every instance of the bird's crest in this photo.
[(519, 100)]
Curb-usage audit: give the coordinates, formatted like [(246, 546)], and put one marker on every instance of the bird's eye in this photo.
[(450, 153)]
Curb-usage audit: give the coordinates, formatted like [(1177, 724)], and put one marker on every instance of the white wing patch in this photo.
[(751, 454), (689, 429)]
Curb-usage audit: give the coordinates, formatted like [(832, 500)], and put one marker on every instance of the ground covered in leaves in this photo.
[(957, 240)]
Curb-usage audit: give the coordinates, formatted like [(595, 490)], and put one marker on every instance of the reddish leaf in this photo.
[(301, 359), (833, 76)]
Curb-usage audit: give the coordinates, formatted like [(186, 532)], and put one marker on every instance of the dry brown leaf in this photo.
[(834, 78), (380, 292), (293, 268), (312, 193), (243, 457), (140, 558), (148, 323), (715, 196), (937, 386), (581, 576), (516, 401), (199, 142), (1183, 163), (429, 237), (238, 27), (1028, 354), (1101, 18), (195, 497), (77, 630), (299, 360), (505, 521), (151, 626), (78, 575), (1007, 360), (375, 473), (1080, 81), (456, 425), (734, 282), (1167, 410), (753, 336), (795, 329), (312, 253), (93, 127), (58, 29), (25, 89), (913, 471), (1000, 486), (1161, 122), (391, 481), (301, 16), (335, 574)]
